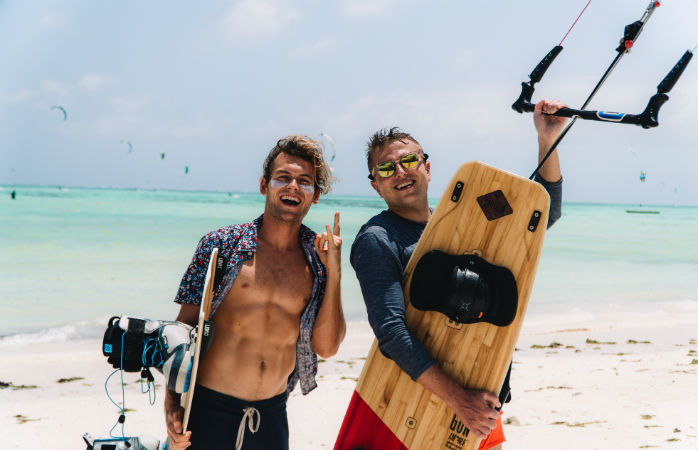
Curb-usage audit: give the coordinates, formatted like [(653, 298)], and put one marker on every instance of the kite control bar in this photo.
[(630, 35), (646, 119)]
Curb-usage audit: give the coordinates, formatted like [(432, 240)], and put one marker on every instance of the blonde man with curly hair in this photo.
[(277, 307)]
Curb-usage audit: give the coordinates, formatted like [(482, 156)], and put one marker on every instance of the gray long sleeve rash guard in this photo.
[(379, 255)]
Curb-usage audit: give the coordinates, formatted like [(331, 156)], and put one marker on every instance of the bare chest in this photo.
[(282, 279)]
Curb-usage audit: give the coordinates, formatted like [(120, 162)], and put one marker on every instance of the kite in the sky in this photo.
[(61, 109), (334, 149), (130, 146), (643, 175), (162, 155), (186, 170)]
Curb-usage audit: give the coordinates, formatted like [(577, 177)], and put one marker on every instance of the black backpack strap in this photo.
[(111, 344), (505, 393), (133, 345)]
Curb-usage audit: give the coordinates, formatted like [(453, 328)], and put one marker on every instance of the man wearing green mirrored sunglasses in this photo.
[(400, 174)]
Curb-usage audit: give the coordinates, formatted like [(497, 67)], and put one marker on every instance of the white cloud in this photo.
[(132, 119), (130, 105), (311, 49), (473, 115), (200, 126), (54, 19), (22, 96), (251, 21), (466, 59), (92, 82), (366, 8), (124, 128), (53, 87)]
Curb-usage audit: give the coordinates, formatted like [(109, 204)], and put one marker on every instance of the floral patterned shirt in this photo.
[(238, 243)]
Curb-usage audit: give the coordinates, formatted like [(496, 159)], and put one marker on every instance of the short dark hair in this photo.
[(307, 149), (383, 137)]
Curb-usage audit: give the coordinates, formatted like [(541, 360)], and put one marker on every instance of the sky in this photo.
[(213, 85)]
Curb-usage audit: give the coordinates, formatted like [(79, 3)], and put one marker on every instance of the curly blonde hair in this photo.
[(307, 149)]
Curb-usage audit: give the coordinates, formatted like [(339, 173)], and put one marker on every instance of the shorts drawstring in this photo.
[(247, 419)]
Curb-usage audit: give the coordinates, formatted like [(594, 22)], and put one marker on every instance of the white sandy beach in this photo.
[(615, 387)]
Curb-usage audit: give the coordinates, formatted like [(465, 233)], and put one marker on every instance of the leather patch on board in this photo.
[(494, 205)]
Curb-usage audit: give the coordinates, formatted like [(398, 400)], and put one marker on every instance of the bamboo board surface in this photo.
[(476, 355), (204, 311)]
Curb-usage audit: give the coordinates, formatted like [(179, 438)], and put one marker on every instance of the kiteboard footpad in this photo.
[(465, 288)]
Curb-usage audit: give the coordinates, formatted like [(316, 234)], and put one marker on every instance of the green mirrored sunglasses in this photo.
[(408, 161)]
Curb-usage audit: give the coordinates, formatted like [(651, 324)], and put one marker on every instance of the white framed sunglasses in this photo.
[(283, 181)]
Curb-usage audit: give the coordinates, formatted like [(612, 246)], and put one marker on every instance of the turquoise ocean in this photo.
[(70, 258)]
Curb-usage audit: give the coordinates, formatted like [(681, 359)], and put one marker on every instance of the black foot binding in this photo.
[(465, 288)]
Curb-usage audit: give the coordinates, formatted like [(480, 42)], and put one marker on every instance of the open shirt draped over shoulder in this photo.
[(237, 244)]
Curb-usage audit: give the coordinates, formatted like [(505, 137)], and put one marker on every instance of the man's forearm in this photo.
[(475, 408), (438, 382), (330, 326), (171, 398), (550, 171)]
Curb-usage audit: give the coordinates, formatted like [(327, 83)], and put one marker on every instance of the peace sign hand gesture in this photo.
[(329, 247)]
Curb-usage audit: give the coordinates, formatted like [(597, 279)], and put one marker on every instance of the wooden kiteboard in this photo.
[(204, 312), (484, 211)]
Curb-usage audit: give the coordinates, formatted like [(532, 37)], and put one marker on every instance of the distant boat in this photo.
[(640, 211)]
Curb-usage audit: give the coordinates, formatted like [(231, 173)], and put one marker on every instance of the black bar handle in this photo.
[(544, 64), (523, 103), (600, 116), (673, 76), (647, 119)]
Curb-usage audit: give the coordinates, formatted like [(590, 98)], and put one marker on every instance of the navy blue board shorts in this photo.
[(219, 421)]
